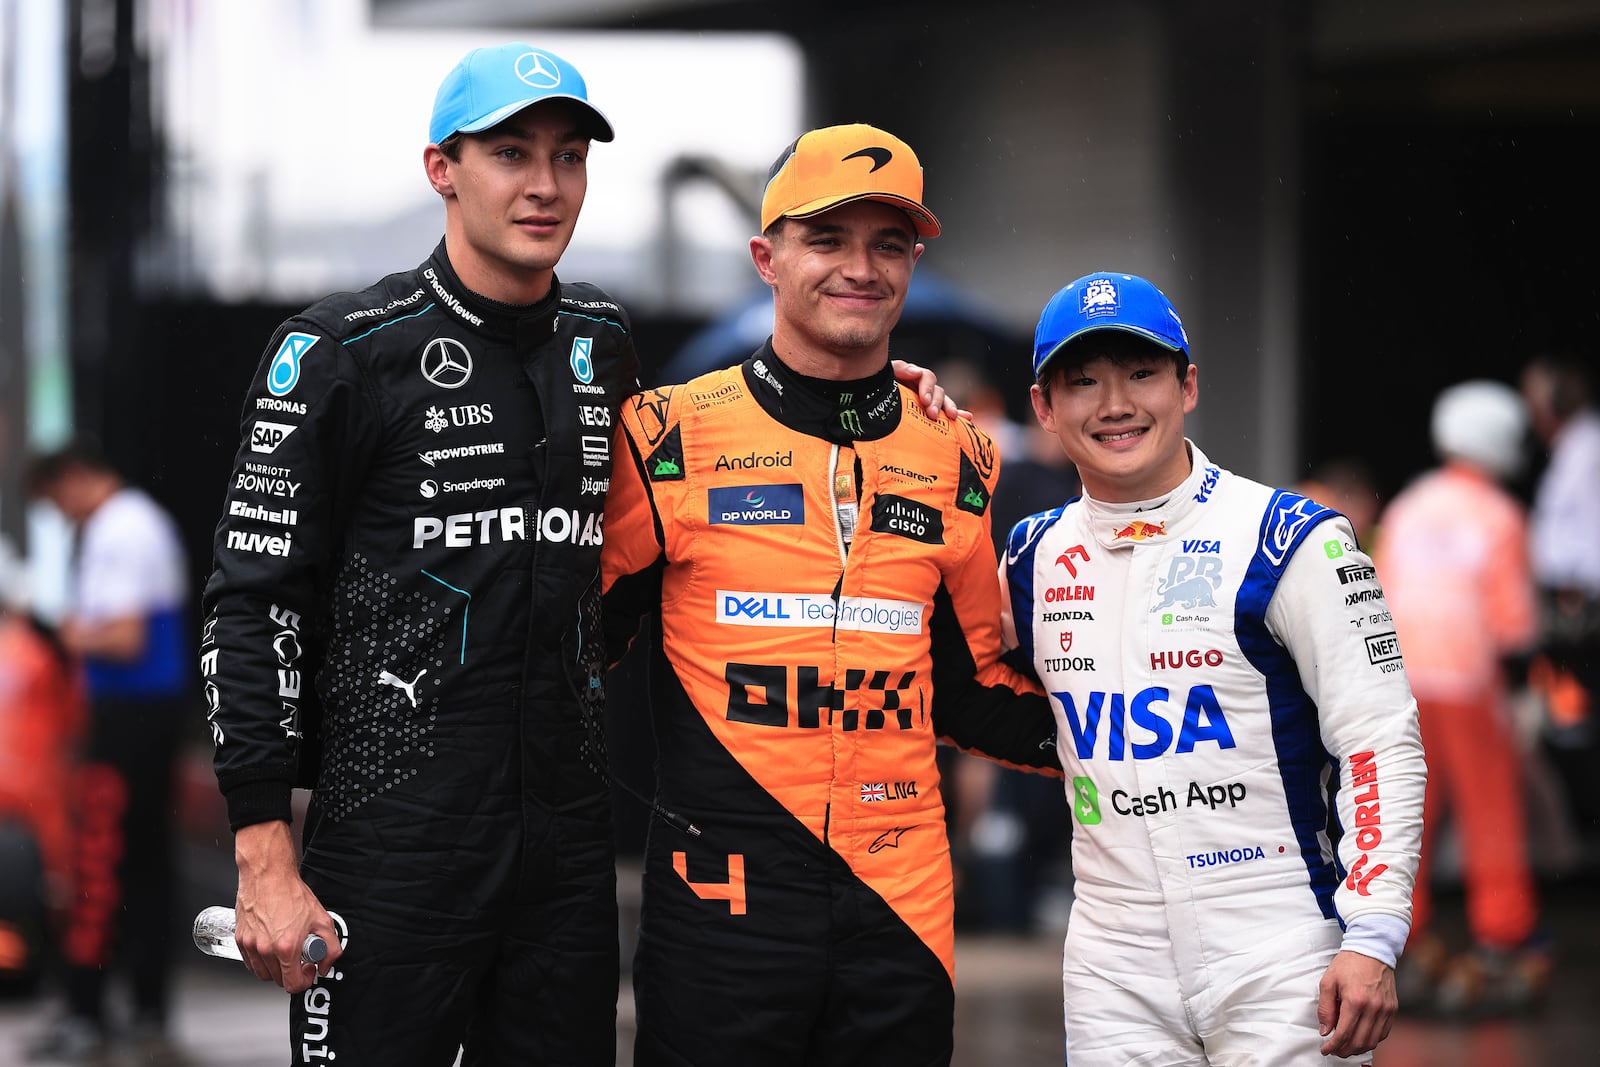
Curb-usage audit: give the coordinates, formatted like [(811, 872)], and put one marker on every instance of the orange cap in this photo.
[(841, 164)]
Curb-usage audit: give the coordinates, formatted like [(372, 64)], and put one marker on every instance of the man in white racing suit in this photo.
[(1239, 739)]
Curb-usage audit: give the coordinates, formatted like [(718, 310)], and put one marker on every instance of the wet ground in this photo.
[(1008, 1008)]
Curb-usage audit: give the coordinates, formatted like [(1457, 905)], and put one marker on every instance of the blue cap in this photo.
[(1107, 300), (490, 85)]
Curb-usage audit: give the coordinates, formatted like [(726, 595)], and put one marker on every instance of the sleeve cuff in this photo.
[(261, 800), (1380, 936)]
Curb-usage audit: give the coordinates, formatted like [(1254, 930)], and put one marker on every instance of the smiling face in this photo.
[(839, 283), (512, 199), (1117, 408)]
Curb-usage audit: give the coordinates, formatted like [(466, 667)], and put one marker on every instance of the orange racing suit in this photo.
[(821, 559)]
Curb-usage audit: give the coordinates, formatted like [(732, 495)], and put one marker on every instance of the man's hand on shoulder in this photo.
[(927, 387), (275, 909), (1356, 1004)]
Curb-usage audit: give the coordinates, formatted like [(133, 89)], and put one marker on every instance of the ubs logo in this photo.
[(446, 363)]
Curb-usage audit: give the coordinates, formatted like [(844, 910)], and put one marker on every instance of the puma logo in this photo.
[(409, 688)]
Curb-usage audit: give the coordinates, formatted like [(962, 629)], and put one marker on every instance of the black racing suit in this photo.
[(404, 615)]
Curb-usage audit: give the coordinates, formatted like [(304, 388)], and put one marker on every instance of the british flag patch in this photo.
[(871, 792)]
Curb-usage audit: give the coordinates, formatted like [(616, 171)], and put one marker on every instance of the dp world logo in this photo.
[(538, 70), (446, 363)]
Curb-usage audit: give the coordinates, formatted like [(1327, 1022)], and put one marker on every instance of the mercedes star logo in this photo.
[(880, 157), (538, 70), (446, 363)]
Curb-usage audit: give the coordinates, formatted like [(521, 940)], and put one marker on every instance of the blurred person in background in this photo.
[(818, 550), (1347, 485), (1454, 563), (42, 716), (127, 621), (1220, 717), (1564, 527)]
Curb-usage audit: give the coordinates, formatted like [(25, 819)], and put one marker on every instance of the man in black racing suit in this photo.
[(404, 616)]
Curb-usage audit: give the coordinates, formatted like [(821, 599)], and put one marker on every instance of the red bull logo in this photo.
[(1139, 530)]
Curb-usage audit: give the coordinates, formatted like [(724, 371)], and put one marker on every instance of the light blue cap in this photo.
[(1107, 300), (490, 85)]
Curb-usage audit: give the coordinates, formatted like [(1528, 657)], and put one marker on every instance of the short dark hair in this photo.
[(47, 469), (451, 146), (1122, 349)]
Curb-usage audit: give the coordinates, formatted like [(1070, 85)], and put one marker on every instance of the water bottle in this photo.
[(213, 935)]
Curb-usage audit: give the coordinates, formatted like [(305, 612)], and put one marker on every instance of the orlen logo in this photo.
[(1369, 822), (265, 437), (1203, 720), (1060, 594)]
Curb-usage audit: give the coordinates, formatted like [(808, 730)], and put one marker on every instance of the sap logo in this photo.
[(1203, 720), (594, 415), (1171, 661), (1364, 596), (1190, 583), (1061, 593), (1206, 486), (1202, 546), (260, 543), (1356, 573), (265, 437)]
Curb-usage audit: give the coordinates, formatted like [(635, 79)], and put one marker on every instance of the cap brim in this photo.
[(600, 129), (1119, 328), (921, 218)]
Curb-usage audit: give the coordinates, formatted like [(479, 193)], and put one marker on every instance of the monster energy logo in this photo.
[(1087, 805), (849, 418)]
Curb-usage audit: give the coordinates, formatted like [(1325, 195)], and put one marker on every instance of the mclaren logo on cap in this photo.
[(538, 70), (880, 157)]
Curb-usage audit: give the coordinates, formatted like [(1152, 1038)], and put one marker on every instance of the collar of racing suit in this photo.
[(864, 409), (1125, 525), (524, 323)]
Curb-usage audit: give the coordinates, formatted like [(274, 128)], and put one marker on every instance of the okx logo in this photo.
[(1086, 802)]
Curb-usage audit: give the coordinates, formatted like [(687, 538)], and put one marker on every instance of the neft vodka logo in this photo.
[(757, 505), (265, 437), (741, 608)]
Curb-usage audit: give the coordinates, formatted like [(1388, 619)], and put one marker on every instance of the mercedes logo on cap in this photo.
[(446, 363), (538, 70)]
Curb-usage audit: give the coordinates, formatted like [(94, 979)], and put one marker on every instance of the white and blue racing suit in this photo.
[(1243, 759)]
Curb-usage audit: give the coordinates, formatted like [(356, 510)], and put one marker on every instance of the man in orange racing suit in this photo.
[(819, 551)]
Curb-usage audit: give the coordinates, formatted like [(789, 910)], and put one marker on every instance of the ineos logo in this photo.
[(446, 363), (538, 70)]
